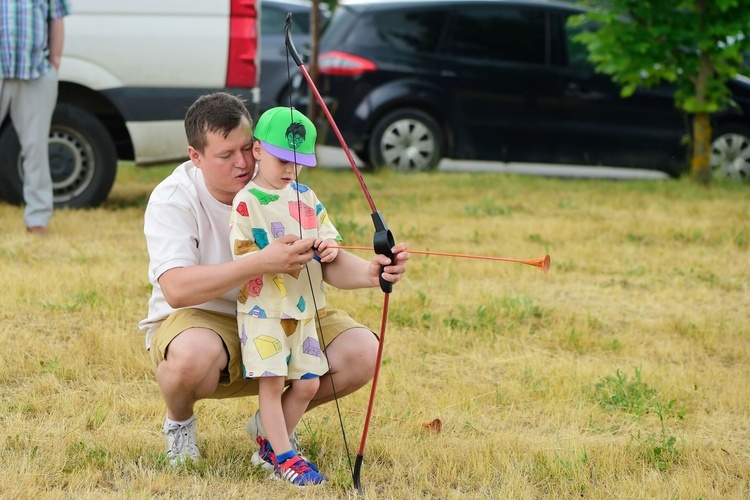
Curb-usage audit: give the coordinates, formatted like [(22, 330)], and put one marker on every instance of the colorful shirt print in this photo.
[(261, 215)]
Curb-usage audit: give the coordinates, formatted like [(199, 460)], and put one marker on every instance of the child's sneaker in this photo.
[(264, 457), (254, 427), (298, 472)]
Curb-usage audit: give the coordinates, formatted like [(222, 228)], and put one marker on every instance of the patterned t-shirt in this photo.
[(259, 216)]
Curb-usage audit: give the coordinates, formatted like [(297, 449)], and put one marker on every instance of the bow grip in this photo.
[(382, 244)]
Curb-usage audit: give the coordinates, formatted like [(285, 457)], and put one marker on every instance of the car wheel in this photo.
[(406, 140), (82, 156), (730, 154)]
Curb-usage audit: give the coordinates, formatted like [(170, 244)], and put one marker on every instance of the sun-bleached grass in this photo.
[(623, 373)]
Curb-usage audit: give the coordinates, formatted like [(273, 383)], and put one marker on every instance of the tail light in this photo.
[(343, 64), (243, 44)]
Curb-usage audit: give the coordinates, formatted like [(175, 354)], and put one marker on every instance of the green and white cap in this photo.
[(287, 134)]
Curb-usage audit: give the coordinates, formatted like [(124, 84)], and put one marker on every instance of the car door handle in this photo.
[(576, 91), (447, 73)]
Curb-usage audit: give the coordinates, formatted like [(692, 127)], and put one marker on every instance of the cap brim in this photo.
[(308, 160)]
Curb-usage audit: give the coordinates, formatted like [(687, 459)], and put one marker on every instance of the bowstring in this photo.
[(309, 278)]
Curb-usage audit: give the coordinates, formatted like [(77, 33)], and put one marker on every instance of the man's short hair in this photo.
[(219, 112)]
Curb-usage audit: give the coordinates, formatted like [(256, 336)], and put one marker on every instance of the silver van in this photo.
[(129, 72)]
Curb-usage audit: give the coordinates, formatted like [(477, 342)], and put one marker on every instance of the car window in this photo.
[(273, 20), (407, 30), (577, 52), (498, 33)]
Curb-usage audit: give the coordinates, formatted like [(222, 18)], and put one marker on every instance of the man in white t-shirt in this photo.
[(191, 328)]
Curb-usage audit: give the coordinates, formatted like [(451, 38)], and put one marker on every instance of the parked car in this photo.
[(129, 72), (274, 77), (411, 82)]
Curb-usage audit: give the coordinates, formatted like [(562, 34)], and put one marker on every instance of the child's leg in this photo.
[(295, 400), (280, 421), (272, 416)]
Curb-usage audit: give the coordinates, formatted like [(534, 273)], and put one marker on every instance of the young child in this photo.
[(276, 314)]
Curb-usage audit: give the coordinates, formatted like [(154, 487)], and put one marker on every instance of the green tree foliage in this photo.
[(695, 44)]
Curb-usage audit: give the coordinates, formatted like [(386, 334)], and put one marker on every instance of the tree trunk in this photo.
[(701, 148), (701, 143)]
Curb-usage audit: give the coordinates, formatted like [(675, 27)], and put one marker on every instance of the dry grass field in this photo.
[(623, 373)]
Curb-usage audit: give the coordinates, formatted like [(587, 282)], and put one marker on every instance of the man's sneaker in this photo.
[(294, 441), (181, 442), (254, 427), (298, 472)]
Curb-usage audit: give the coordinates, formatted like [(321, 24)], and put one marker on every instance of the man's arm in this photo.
[(349, 272), (56, 38), (193, 285)]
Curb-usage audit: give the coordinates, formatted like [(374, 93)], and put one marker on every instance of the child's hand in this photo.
[(326, 254)]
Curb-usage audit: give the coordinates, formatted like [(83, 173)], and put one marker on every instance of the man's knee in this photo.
[(195, 353), (358, 352)]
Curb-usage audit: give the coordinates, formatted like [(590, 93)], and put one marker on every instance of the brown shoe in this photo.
[(37, 230)]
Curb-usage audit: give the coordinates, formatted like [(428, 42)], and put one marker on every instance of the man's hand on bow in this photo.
[(393, 271)]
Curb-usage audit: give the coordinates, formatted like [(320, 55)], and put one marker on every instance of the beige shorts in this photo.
[(232, 383)]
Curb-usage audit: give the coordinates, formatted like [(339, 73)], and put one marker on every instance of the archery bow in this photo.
[(383, 243)]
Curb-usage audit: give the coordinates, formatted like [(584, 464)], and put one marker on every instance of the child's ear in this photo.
[(256, 149)]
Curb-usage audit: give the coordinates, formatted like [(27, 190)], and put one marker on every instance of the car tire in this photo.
[(730, 153), (406, 140), (83, 160)]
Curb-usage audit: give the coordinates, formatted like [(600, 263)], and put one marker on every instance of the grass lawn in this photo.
[(623, 373)]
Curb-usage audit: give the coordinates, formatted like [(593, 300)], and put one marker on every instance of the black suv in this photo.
[(274, 78), (411, 82)]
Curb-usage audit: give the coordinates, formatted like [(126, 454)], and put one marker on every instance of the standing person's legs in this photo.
[(7, 87), (31, 111)]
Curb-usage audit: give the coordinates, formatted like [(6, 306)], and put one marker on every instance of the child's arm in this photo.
[(326, 254)]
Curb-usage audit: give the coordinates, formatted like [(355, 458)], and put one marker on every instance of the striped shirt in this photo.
[(24, 40)]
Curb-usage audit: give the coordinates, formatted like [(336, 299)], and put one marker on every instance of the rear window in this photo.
[(498, 33), (406, 30), (273, 20)]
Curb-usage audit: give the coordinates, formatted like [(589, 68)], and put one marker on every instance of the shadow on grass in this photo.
[(134, 185), (119, 200)]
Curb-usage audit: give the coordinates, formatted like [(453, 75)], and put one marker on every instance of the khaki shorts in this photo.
[(232, 384)]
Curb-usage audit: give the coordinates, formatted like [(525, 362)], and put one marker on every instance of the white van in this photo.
[(129, 72)]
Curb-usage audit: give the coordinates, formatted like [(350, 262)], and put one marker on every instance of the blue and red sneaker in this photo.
[(266, 458), (298, 472)]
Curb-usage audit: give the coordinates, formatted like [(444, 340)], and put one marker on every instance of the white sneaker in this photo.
[(254, 427), (182, 442)]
